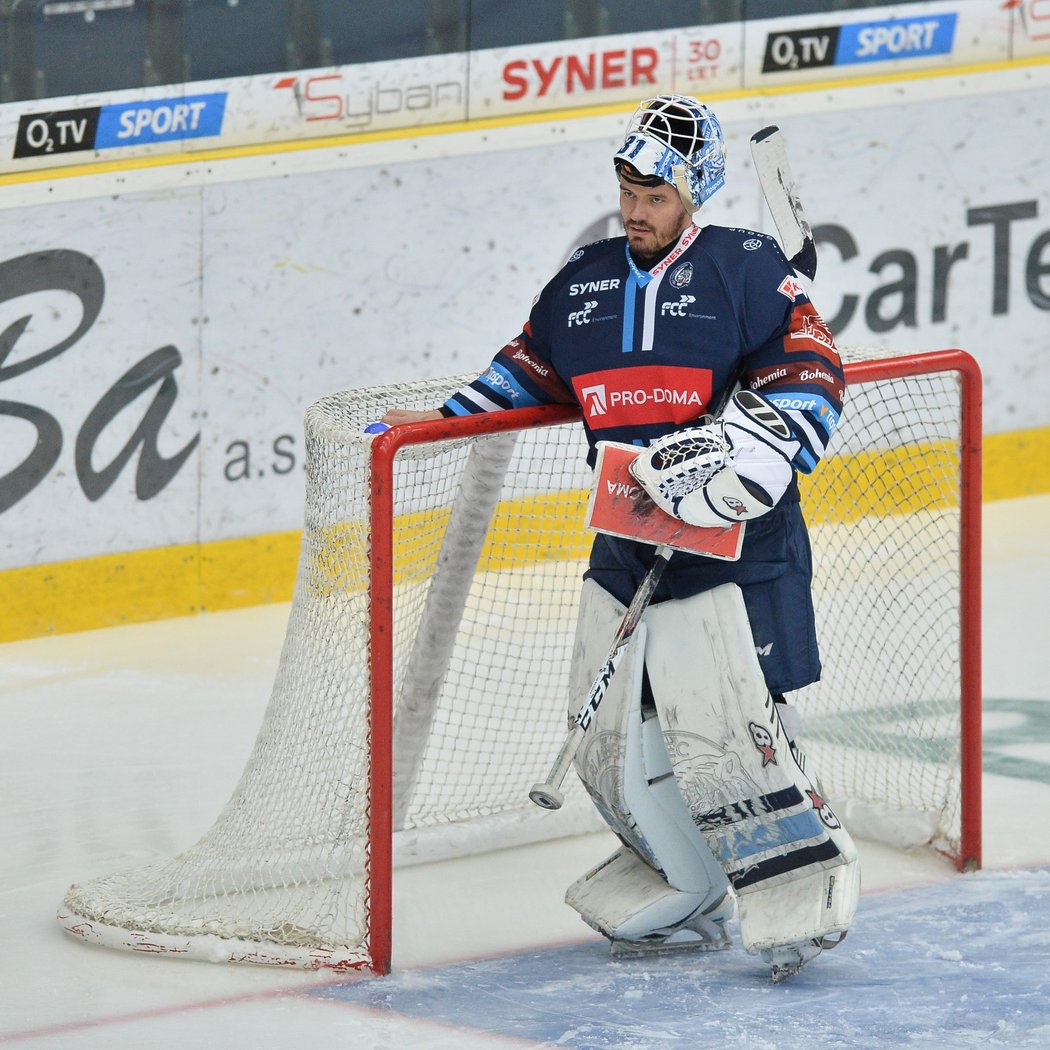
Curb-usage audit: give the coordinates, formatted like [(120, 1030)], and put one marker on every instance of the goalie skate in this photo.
[(785, 960)]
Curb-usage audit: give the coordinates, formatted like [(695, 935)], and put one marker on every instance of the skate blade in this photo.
[(626, 949), (782, 971), (779, 974)]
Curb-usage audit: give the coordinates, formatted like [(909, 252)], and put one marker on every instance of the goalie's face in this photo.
[(653, 216)]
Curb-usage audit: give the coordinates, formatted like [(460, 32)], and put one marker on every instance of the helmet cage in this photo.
[(679, 140)]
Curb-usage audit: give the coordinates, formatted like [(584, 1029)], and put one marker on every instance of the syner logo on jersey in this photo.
[(620, 397)]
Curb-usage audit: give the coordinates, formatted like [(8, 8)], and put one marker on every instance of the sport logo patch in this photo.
[(791, 287), (681, 275)]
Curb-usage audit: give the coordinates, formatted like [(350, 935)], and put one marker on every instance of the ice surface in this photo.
[(957, 964), (121, 746)]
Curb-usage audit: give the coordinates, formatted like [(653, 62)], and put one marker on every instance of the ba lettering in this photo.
[(77, 274)]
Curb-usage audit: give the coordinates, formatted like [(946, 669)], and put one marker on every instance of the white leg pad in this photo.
[(818, 904), (624, 899), (624, 765), (765, 820)]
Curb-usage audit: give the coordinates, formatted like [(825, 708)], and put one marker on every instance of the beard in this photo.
[(650, 254)]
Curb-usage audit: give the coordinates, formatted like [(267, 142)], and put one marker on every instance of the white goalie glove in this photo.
[(734, 469)]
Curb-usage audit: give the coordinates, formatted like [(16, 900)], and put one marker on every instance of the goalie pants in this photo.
[(774, 574)]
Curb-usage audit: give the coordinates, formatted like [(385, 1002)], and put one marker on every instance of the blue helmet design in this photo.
[(679, 140)]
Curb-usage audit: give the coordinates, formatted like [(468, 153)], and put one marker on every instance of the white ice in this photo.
[(121, 745)]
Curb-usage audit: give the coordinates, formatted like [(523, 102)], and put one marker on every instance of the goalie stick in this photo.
[(769, 152), (548, 794), (638, 525)]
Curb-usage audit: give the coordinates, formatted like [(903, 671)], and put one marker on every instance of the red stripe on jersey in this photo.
[(648, 394), (794, 376), (518, 355), (809, 333)]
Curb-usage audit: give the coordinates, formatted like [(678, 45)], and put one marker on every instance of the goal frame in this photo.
[(383, 452)]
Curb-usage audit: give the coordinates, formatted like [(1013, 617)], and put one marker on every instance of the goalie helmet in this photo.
[(674, 139)]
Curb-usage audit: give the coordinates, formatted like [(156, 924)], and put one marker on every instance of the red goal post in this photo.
[(421, 687), (967, 375)]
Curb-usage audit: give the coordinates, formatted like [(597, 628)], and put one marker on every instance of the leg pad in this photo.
[(626, 901)]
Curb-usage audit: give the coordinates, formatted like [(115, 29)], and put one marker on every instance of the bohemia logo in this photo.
[(645, 395)]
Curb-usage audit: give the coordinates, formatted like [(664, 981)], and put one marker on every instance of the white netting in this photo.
[(883, 726), (483, 625)]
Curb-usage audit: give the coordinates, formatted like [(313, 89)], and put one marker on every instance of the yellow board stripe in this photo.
[(138, 586), (885, 482), (336, 563), (144, 585), (1016, 464)]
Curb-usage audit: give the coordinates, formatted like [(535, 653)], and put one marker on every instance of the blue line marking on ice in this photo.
[(957, 964)]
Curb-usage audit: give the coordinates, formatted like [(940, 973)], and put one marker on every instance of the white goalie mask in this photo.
[(679, 140)]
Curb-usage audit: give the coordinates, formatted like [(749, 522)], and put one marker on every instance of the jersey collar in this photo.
[(643, 277)]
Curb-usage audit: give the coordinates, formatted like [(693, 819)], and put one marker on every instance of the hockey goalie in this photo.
[(696, 348), (685, 751)]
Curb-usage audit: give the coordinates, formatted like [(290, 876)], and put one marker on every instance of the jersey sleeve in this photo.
[(798, 369), (520, 375)]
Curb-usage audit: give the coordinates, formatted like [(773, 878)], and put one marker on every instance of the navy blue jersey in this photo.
[(644, 353)]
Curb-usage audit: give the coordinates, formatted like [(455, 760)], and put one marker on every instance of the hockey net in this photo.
[(421, 685)]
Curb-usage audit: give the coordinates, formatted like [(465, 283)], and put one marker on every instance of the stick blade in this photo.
[(769, 151)]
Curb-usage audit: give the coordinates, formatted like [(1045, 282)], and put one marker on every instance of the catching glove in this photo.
[(734, 469)]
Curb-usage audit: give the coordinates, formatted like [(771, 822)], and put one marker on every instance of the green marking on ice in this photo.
[(1028, 723), (923, 731)]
